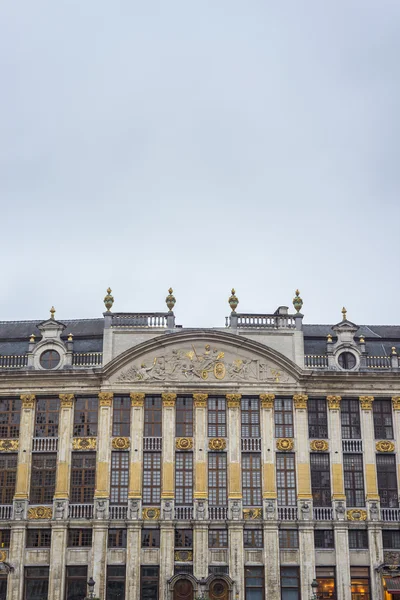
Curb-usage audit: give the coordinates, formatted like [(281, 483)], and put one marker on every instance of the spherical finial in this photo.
[(70, 338), (32, 338), (329, 338), (394, 351), (362, 339), (297, 301), (344, 313), (52, 312), (233, 300), (108, 300), (170, 300)]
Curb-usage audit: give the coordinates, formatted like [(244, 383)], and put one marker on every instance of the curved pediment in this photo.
[(201, 356)]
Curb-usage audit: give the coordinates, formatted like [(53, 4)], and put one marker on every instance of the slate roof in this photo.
[(379, 339)]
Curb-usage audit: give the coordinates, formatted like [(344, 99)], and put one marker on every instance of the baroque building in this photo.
[(243, 462)]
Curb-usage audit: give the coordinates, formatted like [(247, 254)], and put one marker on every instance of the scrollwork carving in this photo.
[(217, 444), (334, 402), (284, 444), (319, 446), (106, 398), (89, 443), (9, 445), (184, 443), (121, 443), (40, 512), (67, 400), (200, 400), (300, 401), (137, 399), (267, 400), (151, 514), (28, 400), (168, 399), (233, 400), (385, 446), (396, 402), (252, 513), (356, 514), (366, 402), (183, 555)]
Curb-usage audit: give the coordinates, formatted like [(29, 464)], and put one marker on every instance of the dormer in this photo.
[(50, 353), (344, 354)]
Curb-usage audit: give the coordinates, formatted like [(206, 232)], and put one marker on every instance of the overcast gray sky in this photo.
[(203, 145)]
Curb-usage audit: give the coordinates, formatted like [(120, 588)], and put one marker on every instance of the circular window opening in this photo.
[(347, 361), (49, 359)]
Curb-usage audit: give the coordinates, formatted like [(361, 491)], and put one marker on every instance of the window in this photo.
[(10, 414), (83, 475), (286, 478), (150, 538), (117, 538), (76, 582), (49, 359), (251, 479), (288, 538), (283, 417), (387, 480), (47, 413), (3, 586), (8, 477), (253, 538), (324, 539), (218, 570), (43, 478), (360, 583), (122, 416), (347, 361), (217, 482), (79, 538), (119, 477), (4, 538), (184, 417), (217, 538), (317, 418), (38, 538), (391, 539), (383, 422), (216, 417), (250, 418), (350, 416), (354, 480), (151, 477), (254, 583), (290, 583), (320, 479), (116, 582), (326, 583), (85, 417), (152, 416), (183, 538), (36, 583), (183, 478), (358, 539), (149, 583)]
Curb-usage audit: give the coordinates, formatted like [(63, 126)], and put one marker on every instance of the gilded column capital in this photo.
[(200, 400), (300, 401), (67, 400), (137, 398), (168, 399), (366, 402), (396, 402), (267, 400), (28, 400), (106, 398), (334, 402), (233, 400)]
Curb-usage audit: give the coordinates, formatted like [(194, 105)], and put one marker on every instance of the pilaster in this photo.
[(302, 448), (268, 446), (200, 550), (58, 552), (200, 448), (26, 429), (367, 429), (168, 446), (236, 556), (343, 580), (234, 447), (99, 557), (396, 423), (375, 546), (336, 454), (136, 451), (307, 557), (272, 561), (65, 430), (133, 548), (16, 559), (103, 456), (167, 543)]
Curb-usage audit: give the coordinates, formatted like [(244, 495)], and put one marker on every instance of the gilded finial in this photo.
[(108, 300), (297, 301), (32, 339), (394, 351), (170, 300), (70, 338), (233, 300), (52, 312), (362, 339), (329, 338), (344, 313)]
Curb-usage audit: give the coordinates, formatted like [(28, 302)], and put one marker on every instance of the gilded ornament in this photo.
[(366, 402), (252, 513), (319, 445), (9, 445), (300, 400), (28, 400), (40, 512), (108, 300), (184, 443), (362, 339), (233, 400), (168, 399), (151, 514), (356, 514), (329, 338), (32, 338), (200, 400), (137, 399), (267, 400), (89, 443), (394, 351), (219, 370), (297, 301), (396, 402), (217, 444), (170, 300), (70, 337), (3, 556), (105, 398), (67, 400), (385, 446), (344, 314), (284, 444), (52, 312), (334, 402), (233, 300), (183, 555), (121, 443)]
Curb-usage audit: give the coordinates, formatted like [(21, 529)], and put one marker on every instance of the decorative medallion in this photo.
[(121, 443), (137, 399), (366, 402), (168, 399), (396, 402), (9, 445), (300, 400), (217, 444), (284, 444), (385, 446), (319, 445), (105, 398), (334, 402), (67, 400), (267, 400), (219, 370), (89, 443), (40, 512), (28, 400), (184, 443), (151, 514), (200, 400), (252, 513), (356, 514), (233, 400), (3, 556), (183, 555)]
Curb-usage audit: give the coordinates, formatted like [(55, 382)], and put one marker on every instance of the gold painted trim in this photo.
[(137, 399), (89, 443), (252, 513), (217, 444), (366, 402), (300, 401), (3, 555), (106, 398), (385, 446), (9, 445), (200, 400), (183, 555), (396, 402), (284, 444), (334, 402), (233, 400), (319, 446), (267, 400), (151, 514), (184, 443), (121, 443), (66, 400), (356, 514), (168, 399), (28, 400), (40, 512)]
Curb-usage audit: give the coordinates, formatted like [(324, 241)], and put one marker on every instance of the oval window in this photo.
[(49, 359), (347, 361)]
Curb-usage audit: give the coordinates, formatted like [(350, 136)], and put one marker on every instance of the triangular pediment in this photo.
[(345, 326)]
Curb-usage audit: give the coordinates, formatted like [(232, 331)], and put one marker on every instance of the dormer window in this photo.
[(49, 359), (347, 361)]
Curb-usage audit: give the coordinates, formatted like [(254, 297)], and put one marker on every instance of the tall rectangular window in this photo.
[(152, 416), (150, 538), (383, 422), (251, 479), (253, 538), (288, 538), (283, 417), (151, 478), (358, 539), (3, 586), (83, 477), (122, 416), (76, 583), (290, 583), (38, 538), (250, 417), (320, 479), (184, 416), (217, 538), (47, 413), (149, 582), (216, 416), (36, 583), (5, 535), (119, 477), (184, 478), (317, 418), (324, 539), (117, 538), (217, 480), (350, 417), (43, 478), (85, 416), (326, 582), (387, 480), (286, 478), (8, 477), (183, 538), (254, 583), (354, 480), (391, 539), (10, 415), (116, 575), (360, 583)]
